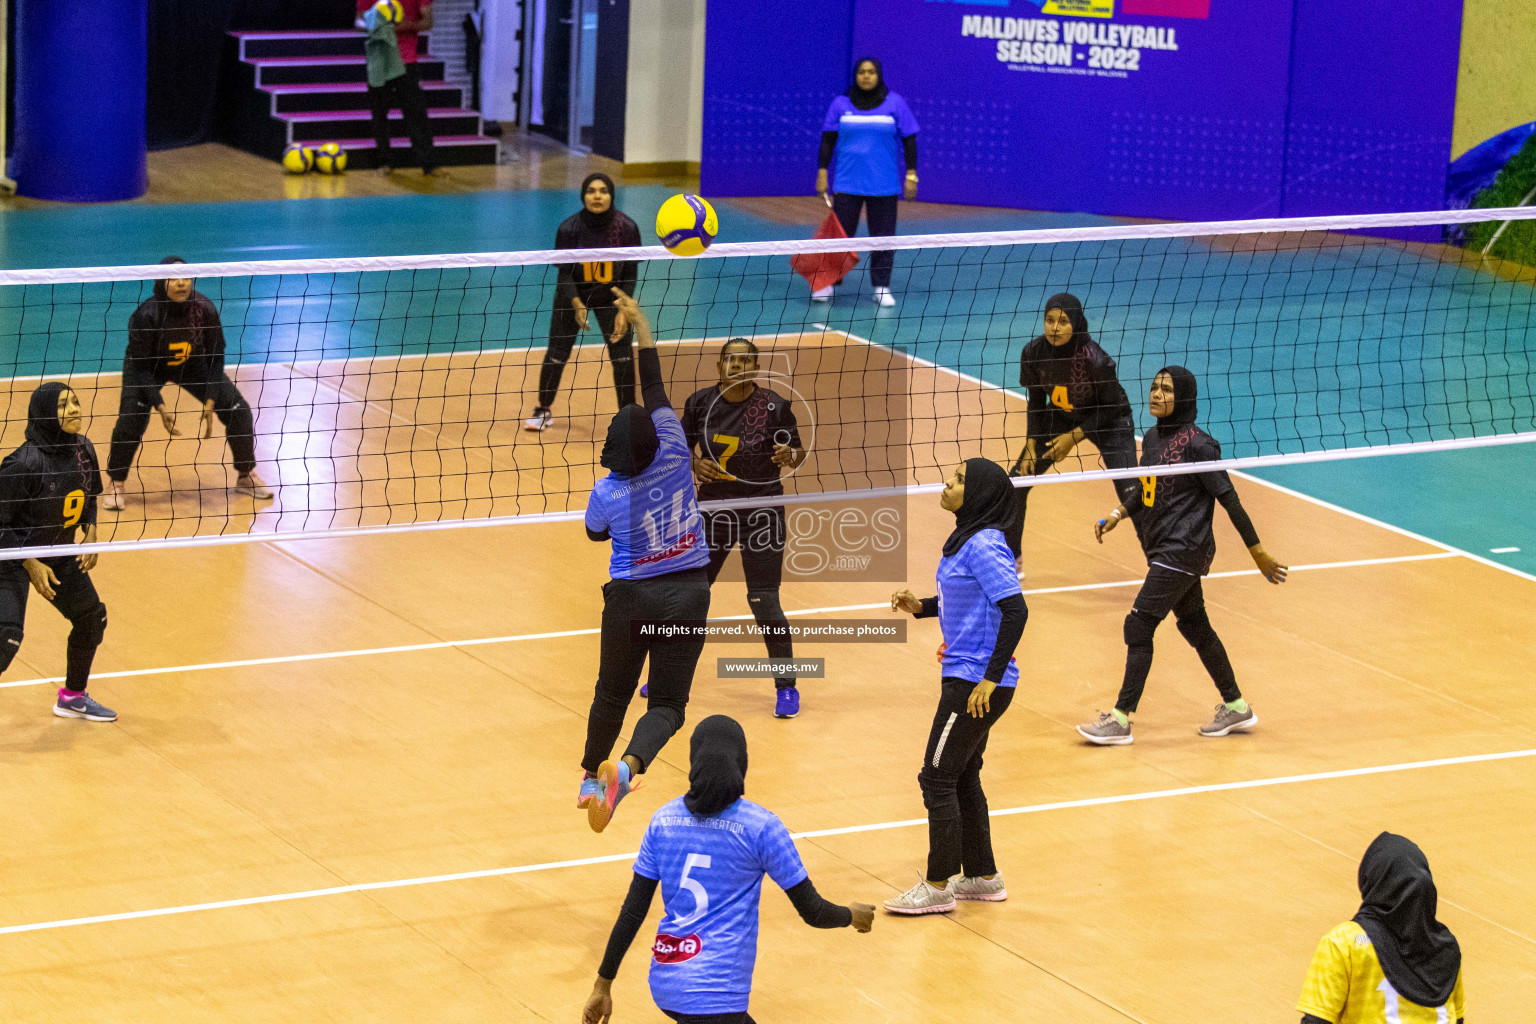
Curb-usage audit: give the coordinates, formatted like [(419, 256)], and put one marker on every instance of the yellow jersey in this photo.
[(1345, 985)]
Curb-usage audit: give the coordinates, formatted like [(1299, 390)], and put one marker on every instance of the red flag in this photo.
[(824, 269)]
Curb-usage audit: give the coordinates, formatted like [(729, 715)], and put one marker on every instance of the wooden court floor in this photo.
[(306, 716)]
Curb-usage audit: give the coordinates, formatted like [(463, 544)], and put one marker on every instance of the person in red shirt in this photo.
[(404, 92)]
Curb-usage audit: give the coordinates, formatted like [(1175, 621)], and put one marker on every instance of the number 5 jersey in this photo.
[(711, 873)]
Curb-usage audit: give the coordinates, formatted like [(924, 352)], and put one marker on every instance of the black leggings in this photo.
[(138, 401), (1168, 590), (959, 831), (563, 330), (711, 1018), (760, 534), (75, 598), (403, 93), (1117, 449), (675, 596), (882, 223)]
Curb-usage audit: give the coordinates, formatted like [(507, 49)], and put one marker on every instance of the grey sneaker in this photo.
[(1106, 732), (1228, 721), (922, 898), (250, 484), (83, 707), (989, 890)]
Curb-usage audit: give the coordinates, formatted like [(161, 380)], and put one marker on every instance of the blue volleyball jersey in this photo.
[(868, 159), (971, 582), (711, 873), (653, 518)]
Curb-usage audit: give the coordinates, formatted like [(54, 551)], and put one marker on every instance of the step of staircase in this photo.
[(328, 124), (330, 70), (298, 99), (311, 87)]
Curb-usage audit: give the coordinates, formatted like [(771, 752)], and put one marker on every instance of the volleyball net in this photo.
[(391, 393)]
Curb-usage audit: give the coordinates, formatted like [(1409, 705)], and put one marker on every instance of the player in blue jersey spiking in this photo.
[(709, 851), (648, 508)]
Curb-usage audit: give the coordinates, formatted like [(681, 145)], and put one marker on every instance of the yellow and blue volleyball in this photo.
[(298, 158), (390, 11), (686, 225), (330, 159)]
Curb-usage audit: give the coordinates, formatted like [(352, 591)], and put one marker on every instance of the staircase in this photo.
[(312, 87)]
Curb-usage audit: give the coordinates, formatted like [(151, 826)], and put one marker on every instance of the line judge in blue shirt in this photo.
[(868, 134), (982, 613), (648, 508)]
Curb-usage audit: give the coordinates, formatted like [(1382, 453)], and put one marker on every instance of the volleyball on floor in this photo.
[(298, 159), (330, 159), (390, 11), (686, 225)]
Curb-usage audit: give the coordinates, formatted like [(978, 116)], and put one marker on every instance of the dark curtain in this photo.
[(188, 42)]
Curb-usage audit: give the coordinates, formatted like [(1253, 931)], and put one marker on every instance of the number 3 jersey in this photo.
[(711, 873), (46, 491), (1174, 514), (740, 437)]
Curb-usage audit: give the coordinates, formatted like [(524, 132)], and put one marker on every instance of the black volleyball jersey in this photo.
[(1071, 386), (1174, 514), (175, 341), (45, 493), (593, 282), (740, 436)]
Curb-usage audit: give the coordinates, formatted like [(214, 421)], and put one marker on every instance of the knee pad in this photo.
[(10, 643), (1196, 628), (1139, 629), (764, 603), (89, 627)]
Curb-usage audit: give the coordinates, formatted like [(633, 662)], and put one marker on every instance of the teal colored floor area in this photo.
[(1298, 346)]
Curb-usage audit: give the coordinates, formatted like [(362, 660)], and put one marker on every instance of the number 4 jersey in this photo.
[(711, 873)]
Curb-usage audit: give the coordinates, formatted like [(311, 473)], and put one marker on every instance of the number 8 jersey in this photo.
[(711, 873)]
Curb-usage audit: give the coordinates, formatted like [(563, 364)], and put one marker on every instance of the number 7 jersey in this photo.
[(711, 873)]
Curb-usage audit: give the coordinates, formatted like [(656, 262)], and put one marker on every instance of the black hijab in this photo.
[(868, 99), (171, 314), (1070, 305), (717, 768), (1418, 954), (43, 427), (631, 443), (598, 221), (988, 502), (1185, 391)]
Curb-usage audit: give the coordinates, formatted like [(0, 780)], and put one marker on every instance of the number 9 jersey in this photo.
[(711, 873), (46, 491)]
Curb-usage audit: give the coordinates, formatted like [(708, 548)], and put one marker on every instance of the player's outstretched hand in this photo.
[(906, 601), (709, 469), (88, 561), (635, 315), (1024, 465), (863, 916), (43, 579), (599, 1004), (1062, 446), (1268, 567), (168, 419)]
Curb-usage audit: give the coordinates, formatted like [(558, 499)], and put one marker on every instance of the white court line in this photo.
[(524, 869), (439, 645), (1503, 551)]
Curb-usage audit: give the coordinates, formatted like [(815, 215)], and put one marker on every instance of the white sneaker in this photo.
[(540, 421), (251, 484), (990, 890), (822, 294), (114, 500), (922, 898), (883, 297)]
